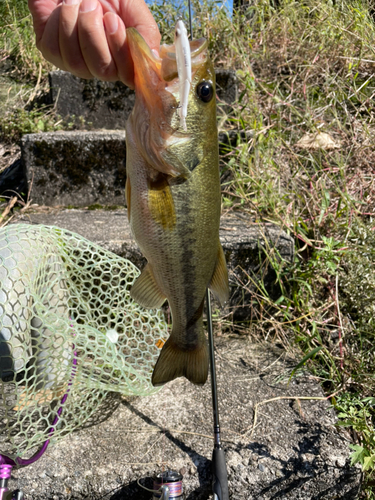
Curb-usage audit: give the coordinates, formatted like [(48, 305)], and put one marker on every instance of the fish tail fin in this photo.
[(174, 362)]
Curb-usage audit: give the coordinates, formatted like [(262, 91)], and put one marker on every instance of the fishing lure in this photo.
[(183, 59)]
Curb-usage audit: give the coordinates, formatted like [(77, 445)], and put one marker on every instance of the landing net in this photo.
[(67, 326)]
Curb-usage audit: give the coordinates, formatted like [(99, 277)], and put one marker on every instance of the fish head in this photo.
[(168, 147)]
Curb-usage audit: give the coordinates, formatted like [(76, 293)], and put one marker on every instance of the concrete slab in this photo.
[(102, 105), (295, 451), (251, 250)]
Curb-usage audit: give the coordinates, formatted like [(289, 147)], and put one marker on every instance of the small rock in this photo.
[(182, 471), (192, 470), (261, 467)]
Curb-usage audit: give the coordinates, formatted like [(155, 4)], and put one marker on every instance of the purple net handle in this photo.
[(5, 473), (4, 460)]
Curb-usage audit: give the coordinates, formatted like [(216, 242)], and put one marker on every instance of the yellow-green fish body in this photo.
[(173, 197)]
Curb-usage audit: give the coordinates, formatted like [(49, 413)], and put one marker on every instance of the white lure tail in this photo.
[(183, 58)]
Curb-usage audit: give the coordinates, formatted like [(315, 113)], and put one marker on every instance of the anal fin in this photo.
[(219, 284), (146, 291)]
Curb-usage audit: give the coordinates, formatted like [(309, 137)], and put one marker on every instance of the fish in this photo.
[(174, 200)]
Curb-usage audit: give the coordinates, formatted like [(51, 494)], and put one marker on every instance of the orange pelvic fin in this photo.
[(219, 281), (146, 291), (174, 362)]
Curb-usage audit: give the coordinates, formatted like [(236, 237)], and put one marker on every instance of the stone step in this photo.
[(61, 165), (75, 168), (107, 105), (294, 451), (82, 167), (251, 250), (78, 168)]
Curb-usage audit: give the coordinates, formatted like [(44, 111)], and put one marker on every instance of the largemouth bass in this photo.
[(173, 198)]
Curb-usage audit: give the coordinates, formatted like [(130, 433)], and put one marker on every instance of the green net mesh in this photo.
[(67, 324)]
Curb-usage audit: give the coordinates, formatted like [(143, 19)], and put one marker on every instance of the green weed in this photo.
[(17, 43), (20, 121), (357, 414)]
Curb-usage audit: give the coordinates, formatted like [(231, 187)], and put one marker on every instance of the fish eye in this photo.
[(205, 91)]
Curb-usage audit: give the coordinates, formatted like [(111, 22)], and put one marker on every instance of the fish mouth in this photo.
[(154, 121), (198, 48), (147, 65)]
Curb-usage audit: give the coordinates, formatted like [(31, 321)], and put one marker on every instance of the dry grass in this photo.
[(306, 106)]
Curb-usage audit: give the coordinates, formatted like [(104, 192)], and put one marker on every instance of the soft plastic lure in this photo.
[(183, 58)]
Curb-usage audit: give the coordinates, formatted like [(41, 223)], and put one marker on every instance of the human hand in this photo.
[(88, 37)]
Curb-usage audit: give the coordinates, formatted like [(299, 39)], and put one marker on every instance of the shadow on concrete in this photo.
[(133, 491), (296, 472), (203, 467)]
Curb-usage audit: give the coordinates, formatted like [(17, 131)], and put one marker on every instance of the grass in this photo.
[(306, 69), (24, 77), (306, 75), (17, 43)]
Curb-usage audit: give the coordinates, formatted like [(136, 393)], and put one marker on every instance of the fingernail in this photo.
[(88, 5), (111, 22), (71, 2)]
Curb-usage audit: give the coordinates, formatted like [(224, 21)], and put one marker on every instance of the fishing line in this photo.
[(190, 21)]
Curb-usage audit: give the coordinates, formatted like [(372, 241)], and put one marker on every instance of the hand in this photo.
[(88, 37)]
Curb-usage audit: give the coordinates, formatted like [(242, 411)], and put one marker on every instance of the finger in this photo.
[(41, 11), (136, 14), (116, 36), (49, 43), (93, 41), (69, 42)]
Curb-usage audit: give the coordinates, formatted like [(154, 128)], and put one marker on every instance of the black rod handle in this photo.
[(219, 475), (219, 468)]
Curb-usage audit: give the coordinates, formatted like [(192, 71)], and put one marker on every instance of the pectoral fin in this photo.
[(161, 203), (219, 282), (146, 291)]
